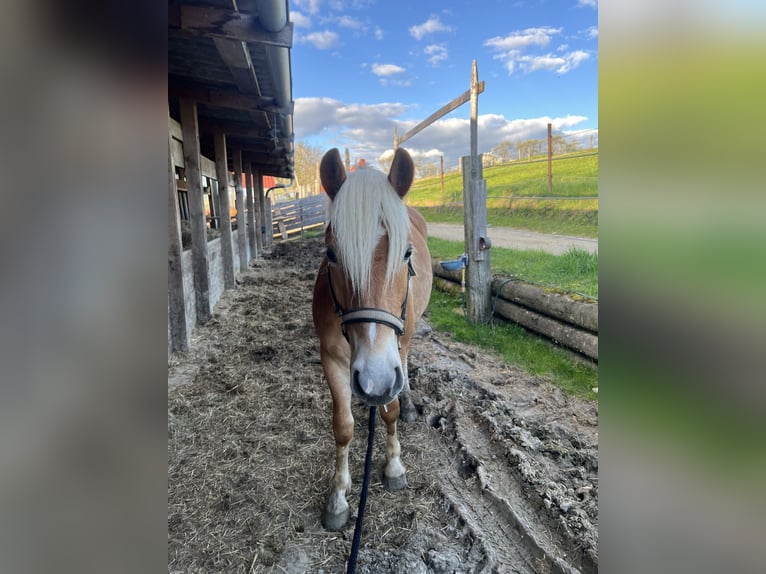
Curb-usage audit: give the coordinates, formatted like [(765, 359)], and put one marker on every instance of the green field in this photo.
[(510, 189)]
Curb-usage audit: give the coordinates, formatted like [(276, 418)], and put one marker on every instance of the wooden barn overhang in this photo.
[(232, 59)]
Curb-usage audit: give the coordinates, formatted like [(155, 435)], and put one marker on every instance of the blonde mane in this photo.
[(365, 208)]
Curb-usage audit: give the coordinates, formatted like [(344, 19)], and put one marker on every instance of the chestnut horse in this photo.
[(372, 286)]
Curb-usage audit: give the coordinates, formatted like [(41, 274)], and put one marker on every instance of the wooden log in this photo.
[(566, 335), (179, 337), (200, 264), (579, 313), (222, 174)]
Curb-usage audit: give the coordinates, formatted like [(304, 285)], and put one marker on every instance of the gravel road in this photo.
[(518, 238)]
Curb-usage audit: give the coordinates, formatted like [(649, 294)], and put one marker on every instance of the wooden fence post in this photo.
[(550, 162), (479, 272), (222, 173), (179, 337), (250, 211), (258, 212), (241, 230), (190, 129)]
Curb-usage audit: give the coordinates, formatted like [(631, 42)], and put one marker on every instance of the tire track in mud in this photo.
[(480, 474)]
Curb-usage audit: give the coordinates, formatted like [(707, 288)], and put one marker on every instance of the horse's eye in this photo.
[(408, 254), (331, 255)]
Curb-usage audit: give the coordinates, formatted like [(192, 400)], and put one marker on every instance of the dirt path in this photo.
[(518, 238), (502, 468)]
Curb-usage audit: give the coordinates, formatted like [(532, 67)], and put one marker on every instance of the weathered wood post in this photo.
[(179, 337), (190, 129), (478, 272), (251, 231), (240, 195), (222, 173), (258, 212), (550, 161)]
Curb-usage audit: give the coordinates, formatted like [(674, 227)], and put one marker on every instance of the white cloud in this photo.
[(430, 26), (350, 22), (590, 3), (592, 32), (322, 40), (523, 38), (512, 49), (311, 6), (382, 70), (378, 33), (437, 52), (300, 20), (368, 130)]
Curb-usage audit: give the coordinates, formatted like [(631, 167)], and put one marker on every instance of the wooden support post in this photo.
[(269, 237), (266, 235), (179, 337), (222, 173), (441, 175), (190, 129), (550, 161), (258, 181), (240, 194), (478, 273), (251, 230)]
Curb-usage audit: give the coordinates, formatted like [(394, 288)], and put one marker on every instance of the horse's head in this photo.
[(368, 259)]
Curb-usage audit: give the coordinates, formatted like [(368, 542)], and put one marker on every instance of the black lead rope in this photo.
[(351, 568)]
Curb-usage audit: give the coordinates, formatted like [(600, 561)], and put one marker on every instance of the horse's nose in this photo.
[(377, 387)]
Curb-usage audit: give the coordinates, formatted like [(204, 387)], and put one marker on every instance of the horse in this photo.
[(372, 286)]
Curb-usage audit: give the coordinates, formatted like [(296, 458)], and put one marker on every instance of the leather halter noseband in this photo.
[(371, 314)]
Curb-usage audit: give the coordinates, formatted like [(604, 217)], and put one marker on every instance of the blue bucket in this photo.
[(455, 264)]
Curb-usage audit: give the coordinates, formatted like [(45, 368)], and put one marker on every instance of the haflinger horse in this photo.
[(372, 286)]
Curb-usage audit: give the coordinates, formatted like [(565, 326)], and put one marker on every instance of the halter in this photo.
[(372, 314)]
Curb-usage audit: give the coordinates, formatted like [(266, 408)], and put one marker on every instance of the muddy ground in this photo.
[(502, 467)]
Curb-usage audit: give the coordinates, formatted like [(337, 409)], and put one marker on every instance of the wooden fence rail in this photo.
[(290, 217), (572, 324)]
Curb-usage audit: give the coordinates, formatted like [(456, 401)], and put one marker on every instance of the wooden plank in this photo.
[(179, 337), (222, 174), (240, 199), (227, 24), (266, 222), (250, 211), (443, 111), (200, 265)]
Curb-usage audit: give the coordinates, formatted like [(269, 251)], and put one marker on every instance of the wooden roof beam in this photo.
[(204, 94)]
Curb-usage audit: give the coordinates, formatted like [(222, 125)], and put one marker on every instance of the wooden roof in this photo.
[(221, 54)]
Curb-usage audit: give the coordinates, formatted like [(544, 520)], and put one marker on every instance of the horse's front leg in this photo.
[(408, 412), (336, 512), (394, 473)]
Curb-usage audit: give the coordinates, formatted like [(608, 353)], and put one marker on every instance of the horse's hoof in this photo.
[(335, 521), (392, 484)]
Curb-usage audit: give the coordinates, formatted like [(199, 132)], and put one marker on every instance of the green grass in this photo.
[(573, 272), (516, 346), (509, 188)]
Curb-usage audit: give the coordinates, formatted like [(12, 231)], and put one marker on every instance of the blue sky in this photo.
[(361, 67)]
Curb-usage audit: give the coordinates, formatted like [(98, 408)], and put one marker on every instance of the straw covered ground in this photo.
[(502, 467)]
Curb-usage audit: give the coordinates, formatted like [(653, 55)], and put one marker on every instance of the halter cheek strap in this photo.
[(372, 314)]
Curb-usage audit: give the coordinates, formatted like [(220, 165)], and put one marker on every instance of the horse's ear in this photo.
[(331, 172), (402, 172)]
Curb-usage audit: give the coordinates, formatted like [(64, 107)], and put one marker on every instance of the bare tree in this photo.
[(306, 159)]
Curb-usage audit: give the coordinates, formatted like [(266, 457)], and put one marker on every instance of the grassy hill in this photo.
[(514, 193)]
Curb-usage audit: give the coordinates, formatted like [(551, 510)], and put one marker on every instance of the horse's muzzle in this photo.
[(376, 388)]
